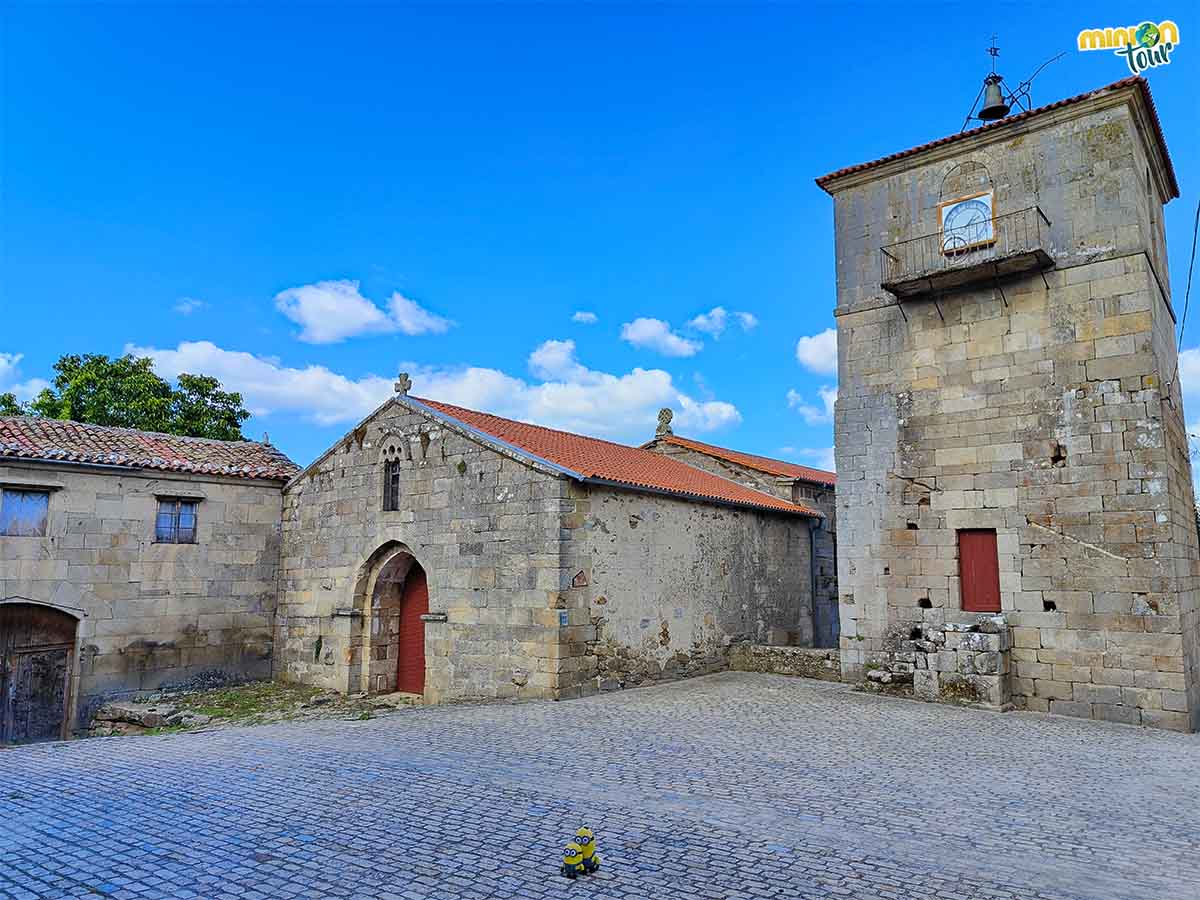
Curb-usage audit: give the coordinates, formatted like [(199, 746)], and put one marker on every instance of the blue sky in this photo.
[(302, 201)]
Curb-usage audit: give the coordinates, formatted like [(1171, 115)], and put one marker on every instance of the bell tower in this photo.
[(1015, 506)]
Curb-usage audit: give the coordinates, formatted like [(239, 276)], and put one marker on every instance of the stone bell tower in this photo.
[(1009, 428)]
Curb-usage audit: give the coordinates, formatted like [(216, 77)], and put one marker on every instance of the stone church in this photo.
[(433, 550), (1009, 426), (521, 561)]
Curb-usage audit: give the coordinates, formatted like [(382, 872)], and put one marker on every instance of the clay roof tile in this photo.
[(594, 459), (58, 440), (777, 467), (1138, 80)]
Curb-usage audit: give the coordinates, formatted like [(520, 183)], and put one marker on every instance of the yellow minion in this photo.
[(587, 843), (573, 861)]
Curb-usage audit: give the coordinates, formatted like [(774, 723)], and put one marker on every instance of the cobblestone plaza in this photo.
[(728, 786)]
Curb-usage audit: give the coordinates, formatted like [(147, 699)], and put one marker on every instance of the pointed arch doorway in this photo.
[(396, 598)]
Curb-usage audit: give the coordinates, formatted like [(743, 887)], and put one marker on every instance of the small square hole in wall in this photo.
[(1049, 606), (915, 635), (925, 603)]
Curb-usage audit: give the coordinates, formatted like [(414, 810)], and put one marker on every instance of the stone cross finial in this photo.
[(665, 415), (403, 384)]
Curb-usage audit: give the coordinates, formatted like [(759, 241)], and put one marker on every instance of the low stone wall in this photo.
[(806, 662), (966, 663), (620, 667)]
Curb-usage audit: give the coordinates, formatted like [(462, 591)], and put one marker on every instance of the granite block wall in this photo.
[(1045, 407), (150, 614)]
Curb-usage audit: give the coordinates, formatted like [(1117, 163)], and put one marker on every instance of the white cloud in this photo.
[(818, 352), (585, 318), (569, 396), (8, 366), (655, 334), (819, 457), (814, 415), (748, 321), (712, 322), (10, 371), (413, 319), (716, 320), (185, 306), (331, 311), (555, 360), (267, 386)]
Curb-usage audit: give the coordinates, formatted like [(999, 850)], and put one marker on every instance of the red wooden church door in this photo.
[(410, 675), (978, 570)]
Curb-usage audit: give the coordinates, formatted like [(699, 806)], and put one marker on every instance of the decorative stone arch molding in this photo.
[(962, 179)]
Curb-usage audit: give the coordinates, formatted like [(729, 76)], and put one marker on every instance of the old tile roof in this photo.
[(1138, 80), (777, 467), (26, 437), (596, 460)]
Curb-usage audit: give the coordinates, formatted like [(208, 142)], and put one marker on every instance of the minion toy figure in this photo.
[(587, 843), (572, 866)]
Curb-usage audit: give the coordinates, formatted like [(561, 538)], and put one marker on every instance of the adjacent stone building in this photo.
[(1009, 426), (129, 561), (523, 561), (791, 481)]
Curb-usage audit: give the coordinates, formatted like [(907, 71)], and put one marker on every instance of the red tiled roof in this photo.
[(596, 459), (1124, 82), (765, 464), (27, 437)]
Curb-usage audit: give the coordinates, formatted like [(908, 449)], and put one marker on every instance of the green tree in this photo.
[(9, 406), (100, 391), (127, 393), (199, 408)]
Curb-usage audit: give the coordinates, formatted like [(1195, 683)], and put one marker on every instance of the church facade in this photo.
[(525, 562)]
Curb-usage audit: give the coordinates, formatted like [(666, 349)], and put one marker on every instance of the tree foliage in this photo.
[(127, 393), (9, 406)]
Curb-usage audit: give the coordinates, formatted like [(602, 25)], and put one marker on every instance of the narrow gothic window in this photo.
[(391, 484)]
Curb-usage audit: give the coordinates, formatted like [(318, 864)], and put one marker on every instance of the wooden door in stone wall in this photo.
[(36, 647), (410, 672), (978, 570)]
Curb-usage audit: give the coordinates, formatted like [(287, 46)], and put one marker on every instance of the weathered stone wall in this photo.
[(150, 614), (823, 664), (485, 527), (1045, 412), (959, 662), (824, 536), (671, 583)]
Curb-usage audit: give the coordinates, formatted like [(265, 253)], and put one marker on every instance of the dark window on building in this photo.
[(23, 513), (176, 522), (391, 484)]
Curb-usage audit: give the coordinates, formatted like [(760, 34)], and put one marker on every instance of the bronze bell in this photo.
[(994, 106)]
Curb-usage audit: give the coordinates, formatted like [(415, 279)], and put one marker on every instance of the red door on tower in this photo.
[(410, 675), (978, 570)]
